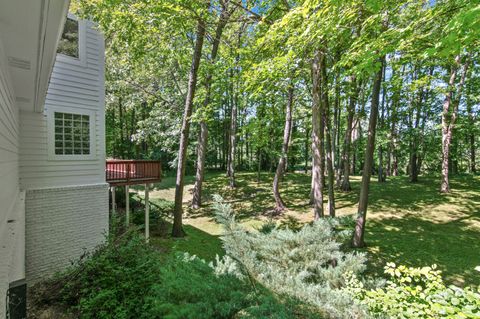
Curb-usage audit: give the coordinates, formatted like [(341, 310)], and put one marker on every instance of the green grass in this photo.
[(409, 224), (198, 242)]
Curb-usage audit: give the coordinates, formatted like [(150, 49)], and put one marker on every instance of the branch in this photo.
[(254, 15)]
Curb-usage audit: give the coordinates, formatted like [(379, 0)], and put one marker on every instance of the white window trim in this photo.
[(50, 113), (82, 45)]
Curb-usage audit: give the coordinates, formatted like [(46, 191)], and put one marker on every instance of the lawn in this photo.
[(409, 224)]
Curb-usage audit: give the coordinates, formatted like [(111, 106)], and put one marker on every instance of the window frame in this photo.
[(82, 46), (50, 113)]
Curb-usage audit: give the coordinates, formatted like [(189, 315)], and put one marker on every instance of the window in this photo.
[(69, 42), (72, 134)]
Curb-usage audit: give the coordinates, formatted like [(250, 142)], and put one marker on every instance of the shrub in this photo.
[(113, 281), (417, 293), (127, 278), (190, 289), (307, 264)]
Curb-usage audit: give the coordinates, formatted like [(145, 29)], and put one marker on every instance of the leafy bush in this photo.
[(307, 264), (112, 282), (417, 293), (127, 278)]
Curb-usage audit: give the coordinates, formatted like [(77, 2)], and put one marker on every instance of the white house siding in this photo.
[(11, 211), (73, 85), (66, 203)]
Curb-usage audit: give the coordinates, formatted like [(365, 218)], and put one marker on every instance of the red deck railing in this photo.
[(130, 172)]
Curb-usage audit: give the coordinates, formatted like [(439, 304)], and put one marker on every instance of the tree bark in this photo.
[(317, 138), (177, 230), (346, 158), (200, 171), (471, 131), (381, 173), (336, 133), (279, 204), (328, 147), (203, 136), (233, 140), (414, 169), (449, 116), (359, 233)]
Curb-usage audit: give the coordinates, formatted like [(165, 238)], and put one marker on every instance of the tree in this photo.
[(348, 134), (358, 236), (177, 230), (449, 116), (279, 204), (318, 130), (225, 14)]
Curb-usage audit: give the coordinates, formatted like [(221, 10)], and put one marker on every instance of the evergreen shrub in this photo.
[(305, 264)]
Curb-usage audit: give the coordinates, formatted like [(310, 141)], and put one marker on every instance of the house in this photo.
[(53, 193)]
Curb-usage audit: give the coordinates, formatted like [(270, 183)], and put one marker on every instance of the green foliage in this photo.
[(112, 282), (306, 264), (189, 289), (417, 293), (127, 278)]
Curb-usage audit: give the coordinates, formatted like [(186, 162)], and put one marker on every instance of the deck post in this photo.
[(147, 213), (113, 199), (127, 205)]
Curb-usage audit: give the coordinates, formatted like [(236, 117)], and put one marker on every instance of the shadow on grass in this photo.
[(416, 242), (197, 242)]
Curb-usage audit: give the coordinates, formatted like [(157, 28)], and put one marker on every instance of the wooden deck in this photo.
[(132, 172)]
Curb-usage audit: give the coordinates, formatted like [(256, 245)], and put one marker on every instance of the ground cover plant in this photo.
[(127, 278)]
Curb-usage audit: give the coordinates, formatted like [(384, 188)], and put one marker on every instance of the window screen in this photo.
[(72, 134), (68, 44)]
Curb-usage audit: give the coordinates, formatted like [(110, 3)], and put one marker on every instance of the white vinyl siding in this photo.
[(73, 88), (8, 140), (10, 215)]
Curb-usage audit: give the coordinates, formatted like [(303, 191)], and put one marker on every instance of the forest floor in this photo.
[(410, 224)]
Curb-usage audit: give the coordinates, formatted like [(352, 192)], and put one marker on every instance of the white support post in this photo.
[(127, 205), (147, 213), (113, 199)]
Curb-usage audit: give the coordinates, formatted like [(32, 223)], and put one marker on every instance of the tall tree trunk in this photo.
[(327, 125), (203, 136), (317, 137), (228, 129), (471, 131), (415, 143), (234, 112), (381, 173), (348, 136), (449, 116), (233, 140), (200, 171), (336, 134), (177, 230), (358, 235), (279, 204)]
